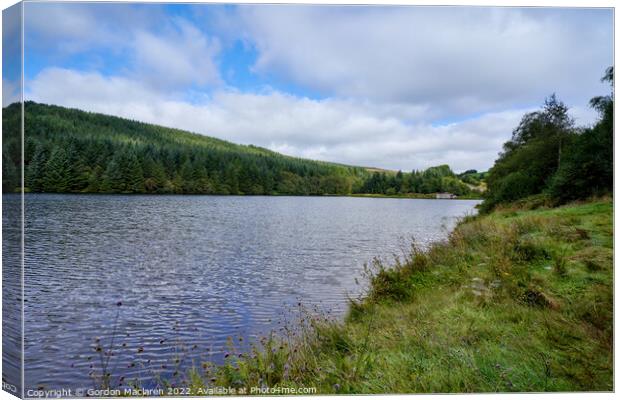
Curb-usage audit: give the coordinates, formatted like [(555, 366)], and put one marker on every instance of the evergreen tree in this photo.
[(132, 173), (113, 177), (36, 169), (57, 172)]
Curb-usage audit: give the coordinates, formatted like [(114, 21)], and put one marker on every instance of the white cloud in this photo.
[(158, 50), (182, 56), (462, 60), (334, 130), (77, 27)]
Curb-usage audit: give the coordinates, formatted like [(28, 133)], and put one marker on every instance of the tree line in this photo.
[(550, 157), (431, 180)]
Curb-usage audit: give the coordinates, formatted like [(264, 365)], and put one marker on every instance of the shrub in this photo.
[(389, 284)]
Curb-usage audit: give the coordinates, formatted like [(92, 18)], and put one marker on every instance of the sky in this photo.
[(397, 87)]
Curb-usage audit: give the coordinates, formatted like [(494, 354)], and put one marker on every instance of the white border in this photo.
[(496, 3)]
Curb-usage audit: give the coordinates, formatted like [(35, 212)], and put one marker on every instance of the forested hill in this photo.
[(73, 151), (68, 150)]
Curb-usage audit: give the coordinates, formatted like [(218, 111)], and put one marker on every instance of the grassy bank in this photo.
[(512, 301)]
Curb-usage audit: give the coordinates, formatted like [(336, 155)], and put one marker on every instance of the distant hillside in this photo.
[(431, 180), (68, 150), (73, 151), (474, 179)]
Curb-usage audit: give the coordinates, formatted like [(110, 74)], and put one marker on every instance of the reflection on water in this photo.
[(194, 270)]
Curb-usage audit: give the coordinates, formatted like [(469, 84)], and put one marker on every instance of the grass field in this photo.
[(512, 301)]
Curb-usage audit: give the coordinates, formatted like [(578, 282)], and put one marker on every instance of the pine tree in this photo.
[(57, 172), (36, 169), (95, 180), (113, 177), (132, 173)]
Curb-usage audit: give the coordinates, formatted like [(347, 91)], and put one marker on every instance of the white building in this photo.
[(445, 196)]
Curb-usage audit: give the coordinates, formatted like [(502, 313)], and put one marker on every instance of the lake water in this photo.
[(192, 271)]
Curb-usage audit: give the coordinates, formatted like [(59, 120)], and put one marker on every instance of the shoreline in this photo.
[(410, 196), (492, 302)]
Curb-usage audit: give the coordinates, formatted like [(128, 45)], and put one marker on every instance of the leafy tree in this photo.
[(534, 151), (432, 180), (588, 167), (548, 155)]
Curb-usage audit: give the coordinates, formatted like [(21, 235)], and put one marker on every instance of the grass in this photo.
[(517, 300)]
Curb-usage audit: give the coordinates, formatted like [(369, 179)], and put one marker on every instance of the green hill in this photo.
[(73, 151), (68, 150)]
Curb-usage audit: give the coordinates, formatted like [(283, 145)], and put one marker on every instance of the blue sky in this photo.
[(392, 87), (234, 60)]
